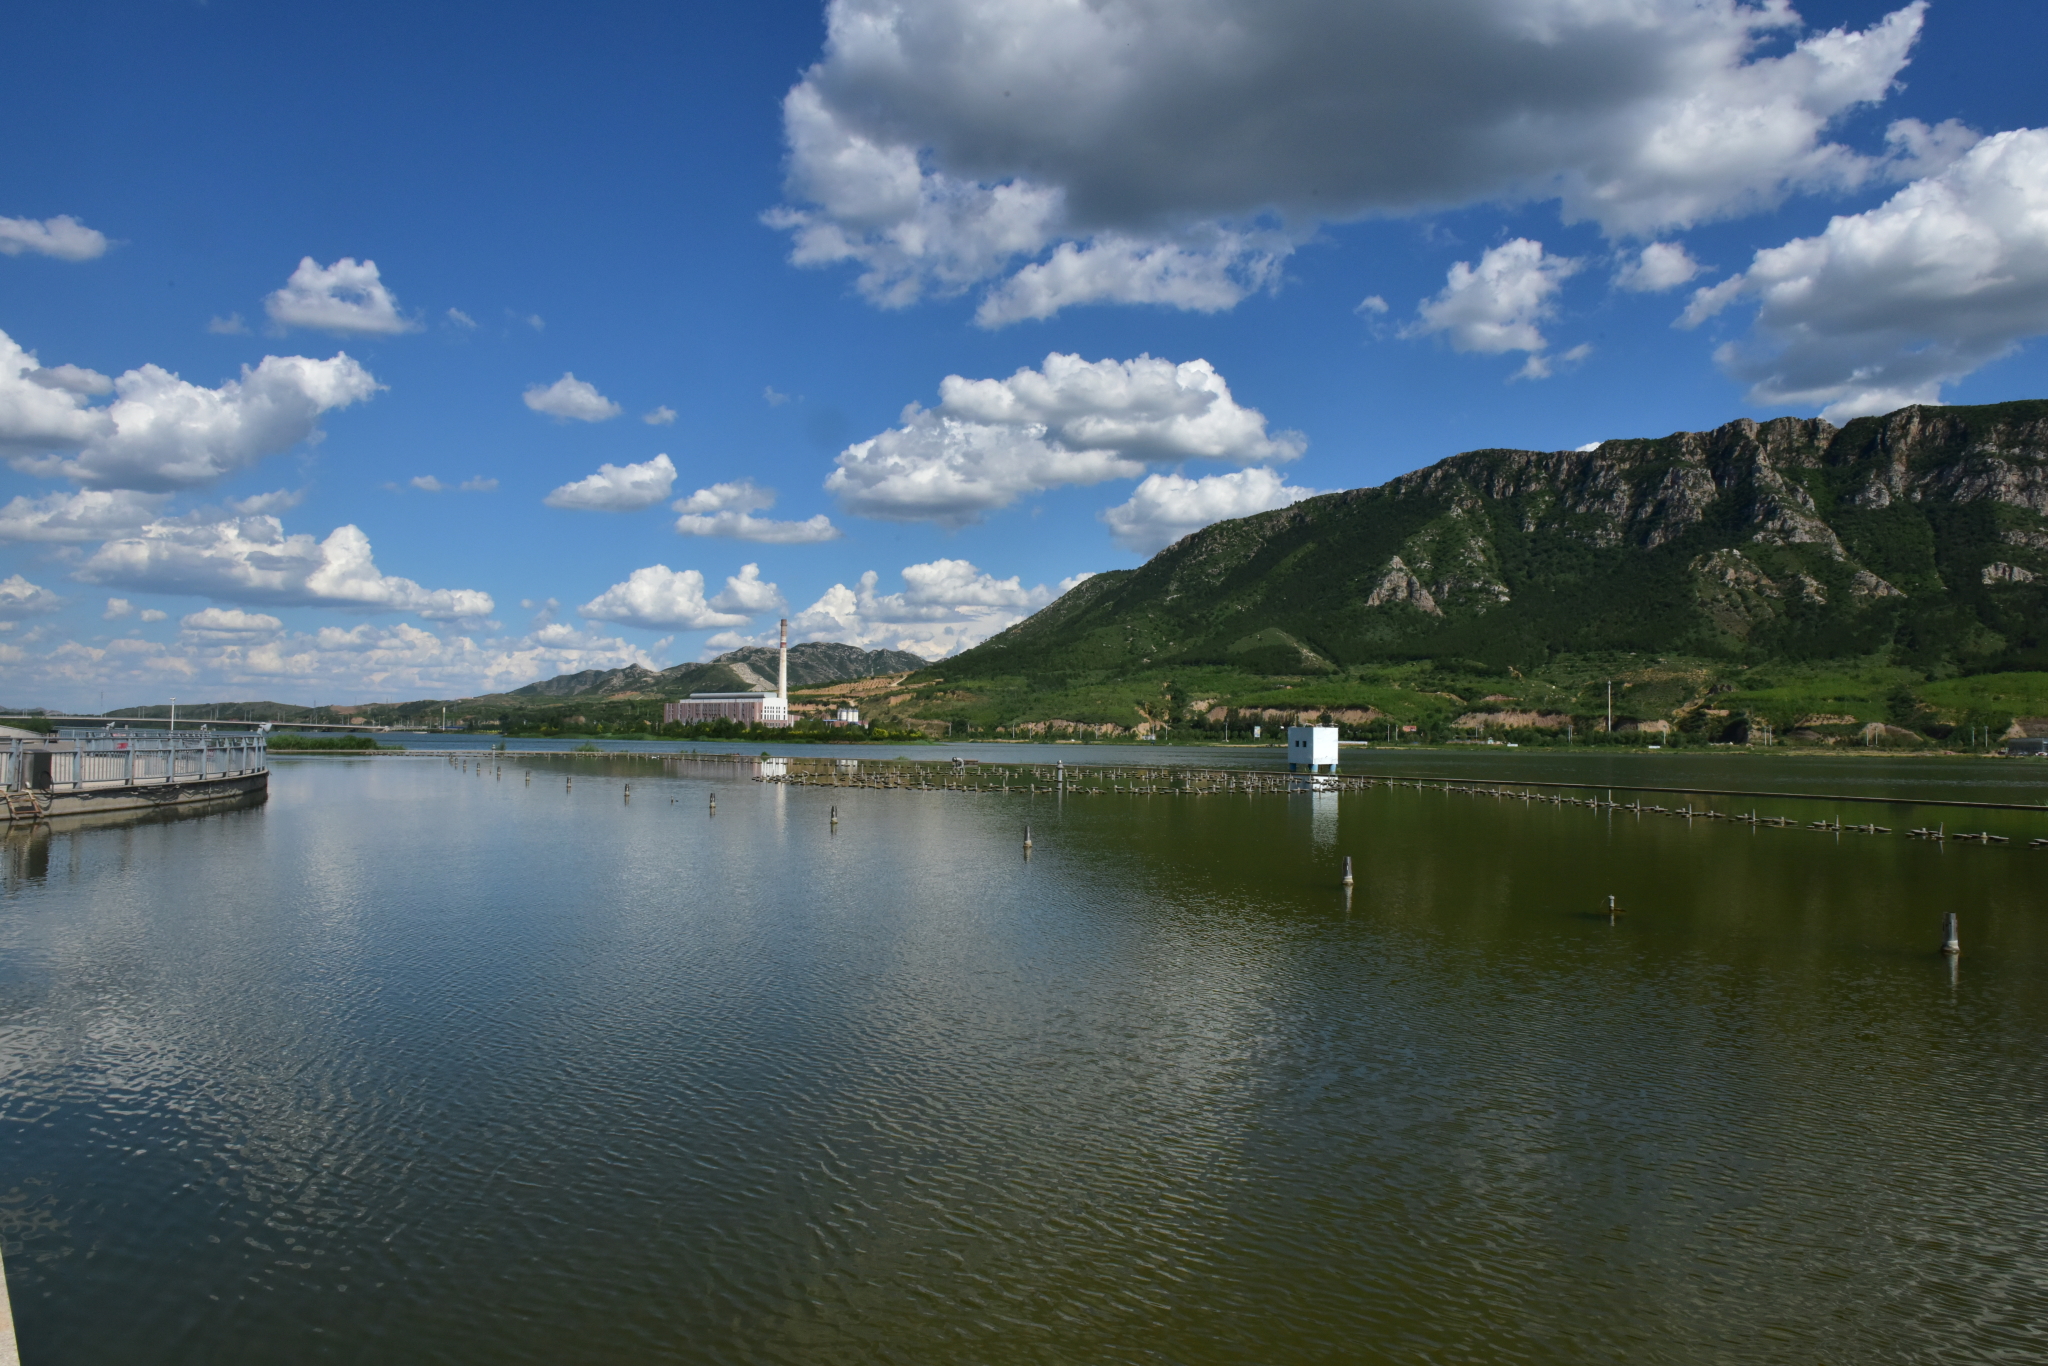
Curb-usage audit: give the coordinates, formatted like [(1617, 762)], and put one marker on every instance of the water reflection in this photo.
[(28, 843), (408, 1064)]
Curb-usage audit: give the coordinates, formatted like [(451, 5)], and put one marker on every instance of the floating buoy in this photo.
[(1348, 879)]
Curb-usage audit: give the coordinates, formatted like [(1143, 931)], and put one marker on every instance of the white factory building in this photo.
[(747, 708)]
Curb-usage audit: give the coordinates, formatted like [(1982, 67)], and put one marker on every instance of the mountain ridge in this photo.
[(1922, 533)]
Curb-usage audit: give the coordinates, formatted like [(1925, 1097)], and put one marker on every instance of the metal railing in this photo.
[(83, 760)]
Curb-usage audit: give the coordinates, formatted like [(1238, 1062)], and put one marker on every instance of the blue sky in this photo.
[(1139, 266)]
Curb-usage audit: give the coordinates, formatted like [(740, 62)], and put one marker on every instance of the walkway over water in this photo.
[(75, 771)]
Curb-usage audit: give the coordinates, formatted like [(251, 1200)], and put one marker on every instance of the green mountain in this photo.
[(1921, 536)]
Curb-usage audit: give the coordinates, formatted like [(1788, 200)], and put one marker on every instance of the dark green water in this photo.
[(411, 1064)]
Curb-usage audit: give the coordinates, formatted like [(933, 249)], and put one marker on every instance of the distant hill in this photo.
[(752, 668), (223, 711), (1921, 535), (746, 670), (817, 662)]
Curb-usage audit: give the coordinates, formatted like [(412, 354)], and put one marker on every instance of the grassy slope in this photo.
[(1269, 611)]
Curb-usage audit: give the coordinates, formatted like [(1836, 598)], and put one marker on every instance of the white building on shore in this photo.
[(747, 708)]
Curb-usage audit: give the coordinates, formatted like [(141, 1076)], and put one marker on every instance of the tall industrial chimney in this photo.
[(782, 666)]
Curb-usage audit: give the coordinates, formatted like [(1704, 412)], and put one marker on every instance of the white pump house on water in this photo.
[(748, 708)]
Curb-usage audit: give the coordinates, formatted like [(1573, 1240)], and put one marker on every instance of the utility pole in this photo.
[(174, 713), (1610, 708)]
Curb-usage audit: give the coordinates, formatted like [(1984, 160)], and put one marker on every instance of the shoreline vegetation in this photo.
[(1661, 702), (286, 742), (584, 746)]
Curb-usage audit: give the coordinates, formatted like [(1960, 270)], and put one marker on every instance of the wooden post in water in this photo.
[(1348, 879), (1949, 942), (1027, 836)]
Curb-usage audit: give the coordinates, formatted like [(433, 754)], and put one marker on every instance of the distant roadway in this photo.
[(189, 723)]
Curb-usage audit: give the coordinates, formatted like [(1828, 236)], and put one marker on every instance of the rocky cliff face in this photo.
[(1924, 533)]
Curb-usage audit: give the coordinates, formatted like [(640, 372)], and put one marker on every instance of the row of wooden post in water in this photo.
[(1190, 782), (1212, 781), (1951, 942)]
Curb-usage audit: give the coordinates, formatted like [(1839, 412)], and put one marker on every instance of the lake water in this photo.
[(421, 1062)]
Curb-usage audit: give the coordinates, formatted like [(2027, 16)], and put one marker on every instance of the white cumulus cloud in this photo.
[(72, 379), (251, 559), (45, 409), (229, 623), (1210, 275), (348, 298), (741, 495), (63, 237), (945, 607), (1166, 507), (663, 416), (990, 442), (744, 526), (1500, 304), (570, 397), (19, 597), (161, 432), (748, 592), (90, 515), (277, 500), (727, 510), (660, 597), (1657, 267), (618, 488), (1174, 151), (329, 664), (1884, 307)]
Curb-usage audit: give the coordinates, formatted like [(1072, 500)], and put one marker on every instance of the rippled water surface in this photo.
[(425, 1062)]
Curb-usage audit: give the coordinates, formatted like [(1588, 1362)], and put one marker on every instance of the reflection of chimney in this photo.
[(782, 666)]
